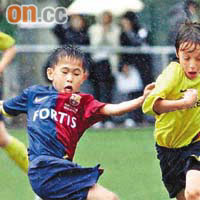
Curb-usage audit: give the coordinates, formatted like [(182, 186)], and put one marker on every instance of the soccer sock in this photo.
[(17, 151)]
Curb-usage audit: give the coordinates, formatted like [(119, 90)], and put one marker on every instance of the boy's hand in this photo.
[(190, 97), (148, 89)]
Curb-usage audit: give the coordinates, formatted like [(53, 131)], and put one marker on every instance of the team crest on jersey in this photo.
[(75, 100)]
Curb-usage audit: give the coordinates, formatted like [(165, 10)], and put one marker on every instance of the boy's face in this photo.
[(67, 75), (189, 57)]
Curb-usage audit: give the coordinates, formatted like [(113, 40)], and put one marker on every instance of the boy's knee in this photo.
[(192, 194), (114, 197), (111, 196), (101, 193)]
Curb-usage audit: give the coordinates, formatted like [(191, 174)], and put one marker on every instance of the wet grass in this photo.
[(127, 156)]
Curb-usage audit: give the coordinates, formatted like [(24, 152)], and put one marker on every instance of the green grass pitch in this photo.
[(127, 156)]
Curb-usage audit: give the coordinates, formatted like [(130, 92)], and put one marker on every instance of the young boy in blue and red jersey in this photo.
[(57, 117)]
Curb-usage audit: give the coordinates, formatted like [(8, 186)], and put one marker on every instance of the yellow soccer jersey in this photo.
[(174, 129), (6, 41)]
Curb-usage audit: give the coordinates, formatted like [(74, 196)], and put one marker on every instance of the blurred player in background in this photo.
[(57, 116), (175, 102), (15, 149)]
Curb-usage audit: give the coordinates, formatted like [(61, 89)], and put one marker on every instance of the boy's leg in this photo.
[(37, 198), (192, 189), (181, 195), (98, 192), (15, 149)]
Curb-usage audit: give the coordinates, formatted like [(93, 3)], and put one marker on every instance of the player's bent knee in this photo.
[(114, 197), (98, 192)]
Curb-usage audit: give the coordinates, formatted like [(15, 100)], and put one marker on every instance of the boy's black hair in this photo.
[(133, 18), (188, 3), (64, 51), (188, 32)]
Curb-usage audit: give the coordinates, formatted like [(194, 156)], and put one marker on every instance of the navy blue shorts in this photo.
[(60, 179), (175, 163)]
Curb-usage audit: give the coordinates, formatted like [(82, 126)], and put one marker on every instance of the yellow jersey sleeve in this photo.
[(2, 111), (165, 83), (6, 41)]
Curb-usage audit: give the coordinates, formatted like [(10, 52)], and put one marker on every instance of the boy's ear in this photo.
[(177, 54), (86, 74), (50, 73)]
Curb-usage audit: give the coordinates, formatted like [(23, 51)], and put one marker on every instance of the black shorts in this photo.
[(175, 163)]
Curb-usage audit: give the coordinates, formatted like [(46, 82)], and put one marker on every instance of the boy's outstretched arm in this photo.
[(127, 106), (7, 57), (163, 106)]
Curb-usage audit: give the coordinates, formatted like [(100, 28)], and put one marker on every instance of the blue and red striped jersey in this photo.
[(55, 121)]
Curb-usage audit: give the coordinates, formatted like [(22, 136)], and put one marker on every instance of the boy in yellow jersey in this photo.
[(175, 103), (15, 149)]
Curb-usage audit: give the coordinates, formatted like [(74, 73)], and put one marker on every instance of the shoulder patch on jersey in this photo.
[(75, 99)]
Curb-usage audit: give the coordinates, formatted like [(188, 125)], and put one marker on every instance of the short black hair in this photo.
[(188, 32), (133, 18), (191, 2), (72, 51)]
